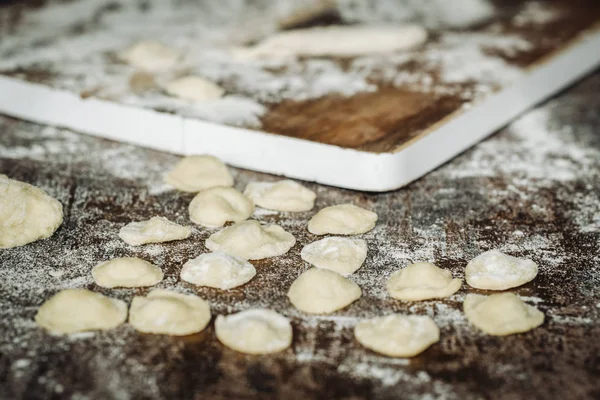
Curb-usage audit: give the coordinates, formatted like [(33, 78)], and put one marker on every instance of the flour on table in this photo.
[(196, 173), (215, 206), (194, 88), (126, 272), (155, 230), (337, 254), (285, 195), (218, 270), (422, 281), (150, 55), (494, 270), (344, 219)]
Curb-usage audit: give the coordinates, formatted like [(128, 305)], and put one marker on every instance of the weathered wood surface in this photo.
[(532, 190)]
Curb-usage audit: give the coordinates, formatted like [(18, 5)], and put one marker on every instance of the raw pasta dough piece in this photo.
[(194, 88), (150, 55), (422, 281), (126, 272), (320, 291), (344, 219), (218, 270), (397, 335), (27, 213), (284, 195), (251, 241), (501, 314), (80, 310), (494, 270), (169, 313), (215, 206), (196, 173), (155, 230), (256, 331), (337, 254)]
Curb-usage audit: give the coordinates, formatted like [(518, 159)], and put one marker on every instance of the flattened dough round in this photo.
[(337, 254), (283, 195), (194, 88), (494, 270), (80, 310), (196, 173), (251, 241), (320, 291), (215, 206), (218, 270), (155, 230), (422, 281), (397, 335), (256, 331), (344, 219), (126, 272), (150, 55), (501, 314), (169, 313), (27, 213)]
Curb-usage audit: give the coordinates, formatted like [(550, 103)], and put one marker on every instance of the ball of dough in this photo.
[(494, 270), (397, 335), (320, 291), (196, 173), (422, 281), (337, 254), (155, 230), (215, 206), (150, 55), (344, 219), (194, 88), (80, 310), (257, 331), (284, 195), (218, 270), (501, 314), (126, 272), (169, 313), (27, 213), (251, 241)]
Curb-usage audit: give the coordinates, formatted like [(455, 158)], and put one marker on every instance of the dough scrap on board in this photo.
[(126, 272), (150, 55), (285, 195), (154, 230), (338, 254), (343, 219), (218, 270), (215, 206), (422, 281), (196, 173), (194, 88), (494, 270)]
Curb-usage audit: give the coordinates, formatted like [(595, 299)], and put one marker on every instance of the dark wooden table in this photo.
[(532, 190)]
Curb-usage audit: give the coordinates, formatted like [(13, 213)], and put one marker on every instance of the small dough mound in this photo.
[(422, 281), (251, 241), (194, 88), (27, 213), (169, 313), (218, 270), (501, 314), (337, 254), (150, 55), (320, 291), (344, 219), (80, 310), (126, 272), (494, 270), (196, 173), (155, 230), (215, 206), (256, 331), (397, 335), (284, 195)]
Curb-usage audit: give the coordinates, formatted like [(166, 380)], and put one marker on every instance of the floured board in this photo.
[(371, 123)]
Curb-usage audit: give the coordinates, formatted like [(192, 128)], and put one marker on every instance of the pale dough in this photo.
[(251, 241), (338, 254), (196, 173), (194, 88), (397, 335), (218, 270), (215, 206), (320, 291), (80, 310), (126, 272), (27, 213), (422, 281), (344, 219), (494, 270), (283, 195), (501, 314), (169, 313), (256, 331), (150, 55), (155, 230)]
